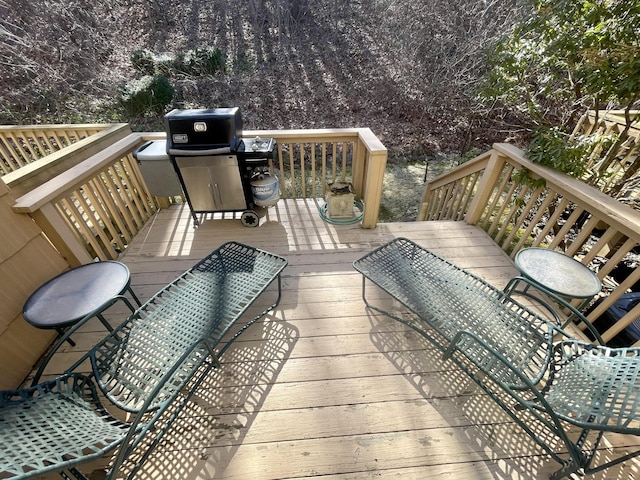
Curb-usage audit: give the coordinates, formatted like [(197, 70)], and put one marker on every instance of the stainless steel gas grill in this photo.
[(216, 167)]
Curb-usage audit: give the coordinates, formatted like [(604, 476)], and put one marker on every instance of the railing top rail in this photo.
[(365, 135), (613, 113), (75, 176), (622, 217), (72, 149), (371, 141), (474, 165), (618, 117), (307, 132), (70, 126)]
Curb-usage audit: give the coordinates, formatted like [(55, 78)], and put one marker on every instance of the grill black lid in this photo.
[(203, 129)]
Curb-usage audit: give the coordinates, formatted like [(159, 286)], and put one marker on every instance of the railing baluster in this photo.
[(314, 189), (498, 202), (103, 215), (112, 207), (334, 161), (324, 169), (78, 220), (541, 210), (23, 155), (303, 177), (96, 231), (283, 189), (345, 149), (525, 209)]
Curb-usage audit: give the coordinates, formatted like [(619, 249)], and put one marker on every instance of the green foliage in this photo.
[(549, 147), (143, 61), (566, 56), (149, 94), (201, 61), (523, 78), (167, 64)]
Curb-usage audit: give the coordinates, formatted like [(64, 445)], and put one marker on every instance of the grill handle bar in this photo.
[(197, 153)]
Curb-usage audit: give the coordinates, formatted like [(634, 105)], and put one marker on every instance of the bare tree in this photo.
[(50, 48), (441, 46)]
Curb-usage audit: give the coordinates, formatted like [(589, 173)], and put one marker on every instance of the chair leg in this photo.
[(61, 332), (72, 474), (571, 466), (133, 295), (104, 321)]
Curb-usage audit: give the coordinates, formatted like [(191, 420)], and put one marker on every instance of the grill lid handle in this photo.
[(197, 153)]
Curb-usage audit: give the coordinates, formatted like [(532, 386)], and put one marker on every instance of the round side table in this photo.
[(557, 275), (82, 292), (557, 272)]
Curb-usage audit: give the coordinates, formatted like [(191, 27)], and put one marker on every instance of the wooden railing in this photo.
[(613, 166), (551, 210), (96, 207), (310, 159), (64, 147), (21, 145)]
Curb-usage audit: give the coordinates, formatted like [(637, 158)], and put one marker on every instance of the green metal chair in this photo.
[(553, 383), (154, 360)]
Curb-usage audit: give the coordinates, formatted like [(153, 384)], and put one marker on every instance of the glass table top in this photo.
[(558, 272)]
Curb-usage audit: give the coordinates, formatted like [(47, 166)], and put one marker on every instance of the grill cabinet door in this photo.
[(213, 183)]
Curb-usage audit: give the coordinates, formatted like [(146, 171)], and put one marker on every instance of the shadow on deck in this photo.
[(322, 387)]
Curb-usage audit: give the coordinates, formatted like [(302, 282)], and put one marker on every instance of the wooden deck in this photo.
[(323, 387)]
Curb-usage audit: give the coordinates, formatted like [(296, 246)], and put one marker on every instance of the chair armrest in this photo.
[(496, 365)]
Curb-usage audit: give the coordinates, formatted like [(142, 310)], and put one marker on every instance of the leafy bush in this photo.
[(147, 94), (203, 61), (566, 57), (549, 147), (143, 61), (168, 64)]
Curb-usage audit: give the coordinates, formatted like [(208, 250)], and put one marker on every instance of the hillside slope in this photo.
[(401, 68)]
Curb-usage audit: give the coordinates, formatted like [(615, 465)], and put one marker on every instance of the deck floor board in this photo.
[(322, 387)]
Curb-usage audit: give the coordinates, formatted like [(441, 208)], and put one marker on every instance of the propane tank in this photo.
[(265, 189)]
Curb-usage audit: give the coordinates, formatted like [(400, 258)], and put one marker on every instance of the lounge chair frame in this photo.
[(548, 382), (148, 367)]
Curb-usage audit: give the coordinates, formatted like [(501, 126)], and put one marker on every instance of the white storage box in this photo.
[(157, 169)]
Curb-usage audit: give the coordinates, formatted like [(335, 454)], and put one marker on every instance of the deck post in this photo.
[(61, 236), (485, 188), (375, 165)]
